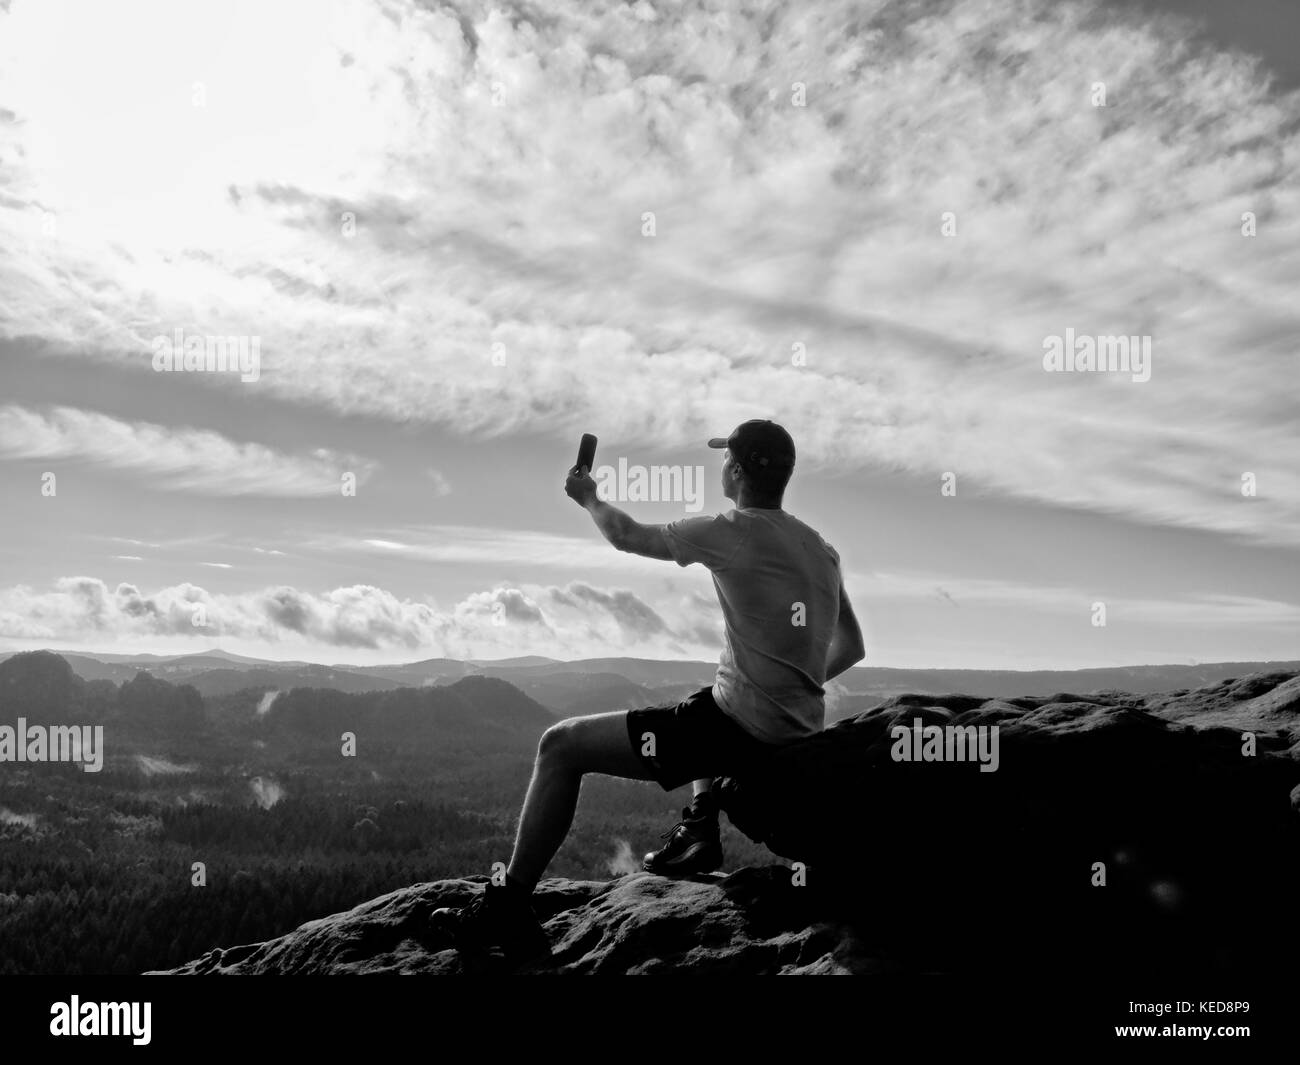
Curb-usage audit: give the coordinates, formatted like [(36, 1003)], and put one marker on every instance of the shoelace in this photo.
[(686, 824)]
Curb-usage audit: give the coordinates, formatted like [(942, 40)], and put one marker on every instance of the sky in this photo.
[(459, 236)]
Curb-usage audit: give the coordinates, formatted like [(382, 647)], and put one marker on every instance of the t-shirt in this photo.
[(778, 583)]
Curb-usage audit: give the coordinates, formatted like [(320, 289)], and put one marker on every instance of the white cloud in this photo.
[(181, 459), (581, 620), (577, 620), (500, 201), (500, 547)]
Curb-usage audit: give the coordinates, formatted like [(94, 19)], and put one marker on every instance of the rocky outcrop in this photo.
[(752, 921), (1152, 834)]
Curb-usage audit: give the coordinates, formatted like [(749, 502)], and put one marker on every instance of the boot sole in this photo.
[(689, 862)]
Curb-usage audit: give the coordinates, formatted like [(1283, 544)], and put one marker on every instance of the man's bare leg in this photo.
[(596, 744), (701, 786)]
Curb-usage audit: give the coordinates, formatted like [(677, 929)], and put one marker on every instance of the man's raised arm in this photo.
[(619, 528)]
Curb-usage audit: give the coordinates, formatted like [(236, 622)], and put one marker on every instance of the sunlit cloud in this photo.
[(502, 547), (478, 259), (577, 619)]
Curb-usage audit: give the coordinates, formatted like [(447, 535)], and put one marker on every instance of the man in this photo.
[(789, 628)]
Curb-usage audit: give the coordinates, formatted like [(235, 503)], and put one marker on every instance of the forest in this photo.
[(100, 872)]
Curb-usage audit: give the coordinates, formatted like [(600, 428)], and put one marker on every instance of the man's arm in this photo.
[(615, 525), (847, 648)]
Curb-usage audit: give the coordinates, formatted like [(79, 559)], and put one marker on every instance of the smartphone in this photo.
[(586, 453)]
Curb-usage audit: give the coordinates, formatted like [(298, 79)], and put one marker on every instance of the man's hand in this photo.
[(580, 487)]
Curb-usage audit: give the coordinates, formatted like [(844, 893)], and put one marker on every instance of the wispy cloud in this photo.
[(884, 591), (181, 459), (503, 547), (776, 226)]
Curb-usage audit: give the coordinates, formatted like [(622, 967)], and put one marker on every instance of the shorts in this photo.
[(694, 739)]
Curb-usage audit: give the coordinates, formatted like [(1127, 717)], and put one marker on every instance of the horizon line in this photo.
[(574, 661)]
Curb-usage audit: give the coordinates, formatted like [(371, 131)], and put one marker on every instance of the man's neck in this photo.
[(743, 502)]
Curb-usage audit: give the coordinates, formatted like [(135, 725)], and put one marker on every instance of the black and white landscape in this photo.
[(305, 305), (235, 763)]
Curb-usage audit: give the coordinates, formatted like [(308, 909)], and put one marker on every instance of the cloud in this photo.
[(519, 154), (884, 592), (496, 546), (487, 623), (152, 767), (441, 486), (9, 817), (266, 792), (186, 460), (580, 620), (632, 614)]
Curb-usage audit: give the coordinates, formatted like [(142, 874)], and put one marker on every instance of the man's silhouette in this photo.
[(789, 628)]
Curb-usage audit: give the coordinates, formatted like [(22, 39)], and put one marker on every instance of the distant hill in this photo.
[(472, 712), (595, 685), (869, 680), (580, 694), (522, 660), (646, 671), (416, 674), (227, 680), (41, 687)]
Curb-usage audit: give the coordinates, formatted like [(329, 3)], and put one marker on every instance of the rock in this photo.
[(751, 922), (1155, 794), (934, 866)]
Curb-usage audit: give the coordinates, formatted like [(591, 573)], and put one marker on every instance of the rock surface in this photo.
[(746, 923), (935, 866)]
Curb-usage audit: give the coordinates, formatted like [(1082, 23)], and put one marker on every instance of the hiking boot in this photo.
[(694, 846), (498, 917)]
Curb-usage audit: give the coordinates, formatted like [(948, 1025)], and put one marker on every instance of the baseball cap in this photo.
[(759, 443)]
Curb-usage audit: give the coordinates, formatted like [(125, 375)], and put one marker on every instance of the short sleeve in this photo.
[(712, 540)]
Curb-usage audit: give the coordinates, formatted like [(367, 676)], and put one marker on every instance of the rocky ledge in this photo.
[(1118, 833)]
